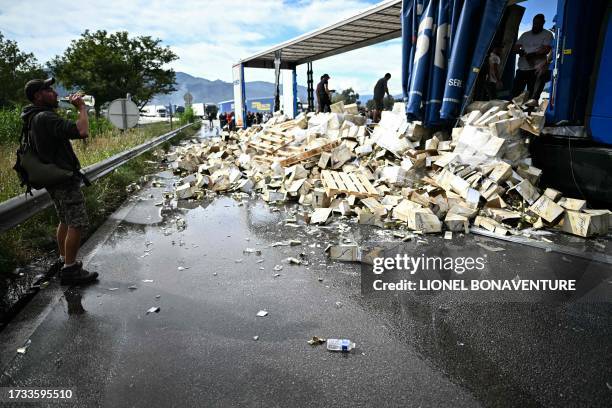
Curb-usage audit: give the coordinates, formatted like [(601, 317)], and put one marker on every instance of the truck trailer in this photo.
[(441, 75), (261, 105), (157, 111)]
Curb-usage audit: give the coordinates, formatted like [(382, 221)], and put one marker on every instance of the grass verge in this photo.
[(95, 149), (36, 237)]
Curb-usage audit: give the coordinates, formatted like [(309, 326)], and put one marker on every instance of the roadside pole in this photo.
[(170, 114)]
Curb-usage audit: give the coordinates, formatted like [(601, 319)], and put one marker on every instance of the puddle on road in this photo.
[(18, 286), (74, 301), (220, 225)]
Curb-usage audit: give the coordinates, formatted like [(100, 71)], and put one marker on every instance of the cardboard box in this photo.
[(419, 220), (572, 204), (402, 210), (552, 194), (527, 191), (348, 253), (320, 199), (547, 209), (584, 224), (501, 172), (457, 223), (366, 217), (320, 216)]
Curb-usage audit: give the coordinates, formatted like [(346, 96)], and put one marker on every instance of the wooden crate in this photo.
[(303, 155), (269, 143), (337, 182)]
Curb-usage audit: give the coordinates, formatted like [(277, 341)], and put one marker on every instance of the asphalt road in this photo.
[(444, 349)]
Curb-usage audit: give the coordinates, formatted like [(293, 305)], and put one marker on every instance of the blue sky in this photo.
[(533, 7), (209, 36)]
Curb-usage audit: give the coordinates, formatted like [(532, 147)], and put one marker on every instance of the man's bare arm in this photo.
[(543, 50), (82, 122), (326, 89)]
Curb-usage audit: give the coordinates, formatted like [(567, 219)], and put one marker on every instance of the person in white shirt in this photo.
[(532, 47), (494, 82)]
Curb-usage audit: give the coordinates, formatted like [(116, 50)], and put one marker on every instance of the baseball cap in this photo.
[(325, 76), (36, 85)]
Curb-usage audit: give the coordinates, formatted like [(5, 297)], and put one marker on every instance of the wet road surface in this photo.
[(440, 350)]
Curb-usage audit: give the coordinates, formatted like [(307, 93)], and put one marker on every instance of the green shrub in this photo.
[(99, 126), (188, 116), (36, 236), (10, 124)]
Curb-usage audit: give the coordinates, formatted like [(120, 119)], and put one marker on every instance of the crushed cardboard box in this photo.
[(392, 173)]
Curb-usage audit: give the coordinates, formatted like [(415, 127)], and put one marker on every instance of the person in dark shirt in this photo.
[(231, 121), (228, 120), (50, 135), (323, 95), (380, 89)]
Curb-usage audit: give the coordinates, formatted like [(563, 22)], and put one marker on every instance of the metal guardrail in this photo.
[(18, 209)]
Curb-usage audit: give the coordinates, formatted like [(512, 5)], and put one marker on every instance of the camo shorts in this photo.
[(70, 204)]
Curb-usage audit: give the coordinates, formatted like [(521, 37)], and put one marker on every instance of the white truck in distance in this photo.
[(156, 111)]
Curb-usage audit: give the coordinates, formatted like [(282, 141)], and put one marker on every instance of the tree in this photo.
[(16, 68), (388, 102), (347, 96), (188, 116), (108, 66)]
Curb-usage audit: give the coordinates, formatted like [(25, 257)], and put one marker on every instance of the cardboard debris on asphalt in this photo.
[(316, 340), (396, 173)]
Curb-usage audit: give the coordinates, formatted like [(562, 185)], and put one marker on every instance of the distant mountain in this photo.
[(204, 90)]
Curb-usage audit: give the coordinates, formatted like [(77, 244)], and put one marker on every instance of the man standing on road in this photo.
[(323, 95), (210, 120), (50, 137), (228, 120), (533, 48), (232, 121), (494, 81), (380, 89)]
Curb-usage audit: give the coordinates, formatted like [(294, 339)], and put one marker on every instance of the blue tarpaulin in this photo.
[(407, 40), (491, 17), (445, 44), (456, 7), (420, 63), (439, 64)]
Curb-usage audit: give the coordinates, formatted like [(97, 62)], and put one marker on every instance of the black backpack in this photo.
[(33, 172)]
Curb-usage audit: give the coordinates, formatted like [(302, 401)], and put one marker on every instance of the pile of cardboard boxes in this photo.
[(394, 173)]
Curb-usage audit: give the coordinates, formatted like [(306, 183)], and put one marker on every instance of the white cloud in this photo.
[(208, 36), (360, 69)]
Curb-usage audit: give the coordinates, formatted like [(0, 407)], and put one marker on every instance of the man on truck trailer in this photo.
[(533, 48), (380, 89), (323, 95)]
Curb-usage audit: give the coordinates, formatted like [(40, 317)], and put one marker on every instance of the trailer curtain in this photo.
[(445, 42)]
